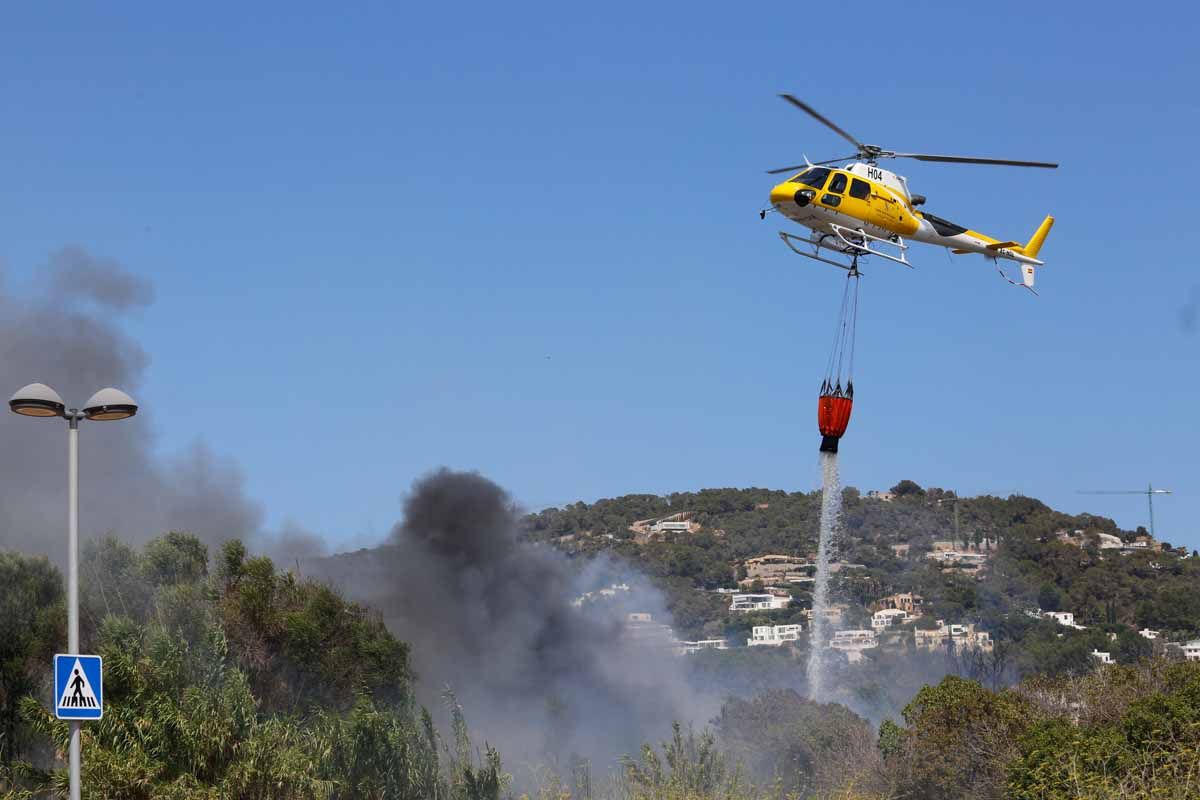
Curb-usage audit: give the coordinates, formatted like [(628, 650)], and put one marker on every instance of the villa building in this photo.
[(853, 643), (773, 635), (905, 601), (881, 620), (742, 603), (961, 637), (1064, 618)]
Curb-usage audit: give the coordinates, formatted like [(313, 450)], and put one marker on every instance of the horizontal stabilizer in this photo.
[(962, 252), (1002, 245)]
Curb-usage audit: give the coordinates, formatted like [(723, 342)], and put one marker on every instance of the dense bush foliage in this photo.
[(1120, 733), (245, 683), (33, 624), (1128, 733)]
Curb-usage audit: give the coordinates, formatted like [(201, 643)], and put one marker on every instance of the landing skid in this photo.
[(849, 243), (788, 239)]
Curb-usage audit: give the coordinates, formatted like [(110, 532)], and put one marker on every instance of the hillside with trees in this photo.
[(1038, 558), (226, 677)]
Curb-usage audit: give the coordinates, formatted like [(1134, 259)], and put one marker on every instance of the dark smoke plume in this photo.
[(493, 618), (69, 337)]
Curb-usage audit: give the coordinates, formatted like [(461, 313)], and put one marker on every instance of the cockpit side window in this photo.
[(860, 189), (814, 177), (838, 184)]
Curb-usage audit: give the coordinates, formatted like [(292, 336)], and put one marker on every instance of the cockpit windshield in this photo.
[(813, 176)]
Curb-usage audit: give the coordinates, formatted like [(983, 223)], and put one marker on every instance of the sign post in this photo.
[(79, 694)]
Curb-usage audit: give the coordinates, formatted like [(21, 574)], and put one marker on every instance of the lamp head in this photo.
[(110, 404), (37, 400)]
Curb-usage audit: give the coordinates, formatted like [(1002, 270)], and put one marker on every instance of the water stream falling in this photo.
[(818, 635)]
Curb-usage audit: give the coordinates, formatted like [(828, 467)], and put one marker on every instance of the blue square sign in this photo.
[(78, 687)]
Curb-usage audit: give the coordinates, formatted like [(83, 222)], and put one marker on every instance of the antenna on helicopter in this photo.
[(871, 153)]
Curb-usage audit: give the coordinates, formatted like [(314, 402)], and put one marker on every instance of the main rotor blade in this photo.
[(835, 160), (798, 167), (970, 160), (807, 109)]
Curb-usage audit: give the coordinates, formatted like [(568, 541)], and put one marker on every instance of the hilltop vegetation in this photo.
[(1029, 566)]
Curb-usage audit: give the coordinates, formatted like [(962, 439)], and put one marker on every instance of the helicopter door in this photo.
[(832, 197), (857, 202)]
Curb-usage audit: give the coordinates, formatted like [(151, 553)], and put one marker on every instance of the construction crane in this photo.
[(1149, 491)]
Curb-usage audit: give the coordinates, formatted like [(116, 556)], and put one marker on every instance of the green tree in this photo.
[(963, 736), (1131, 647), (688, 766), (175, 558), (32, 629), (907, 488), (1049, 597), (795, 743), (893, 740)]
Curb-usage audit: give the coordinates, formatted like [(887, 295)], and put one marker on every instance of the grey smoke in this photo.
[(486, 615), (76, 273), (69, 336), (493, 618)]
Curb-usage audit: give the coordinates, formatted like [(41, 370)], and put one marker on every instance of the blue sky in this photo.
[(524, 239)]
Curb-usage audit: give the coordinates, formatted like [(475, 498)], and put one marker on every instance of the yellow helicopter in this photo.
[(860, 210)]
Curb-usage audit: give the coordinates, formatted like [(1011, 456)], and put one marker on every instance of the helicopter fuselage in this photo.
[(877, 202), (862, 210)]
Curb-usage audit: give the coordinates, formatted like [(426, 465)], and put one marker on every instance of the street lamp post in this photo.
[(39, 400)]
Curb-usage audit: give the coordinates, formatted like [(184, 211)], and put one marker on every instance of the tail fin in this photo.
[(1027, 275), (1039, 236)]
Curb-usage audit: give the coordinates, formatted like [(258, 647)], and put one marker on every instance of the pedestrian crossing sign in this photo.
[(78, 687)]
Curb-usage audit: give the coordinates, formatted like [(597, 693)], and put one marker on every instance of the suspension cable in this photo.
[(841, 357), (835, 353), (853, 333)]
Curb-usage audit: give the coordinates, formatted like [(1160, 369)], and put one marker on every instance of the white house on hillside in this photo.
[(1064, 618), (773, 635), (888, 617), (758, 602), (962, 637), (853, 643)]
